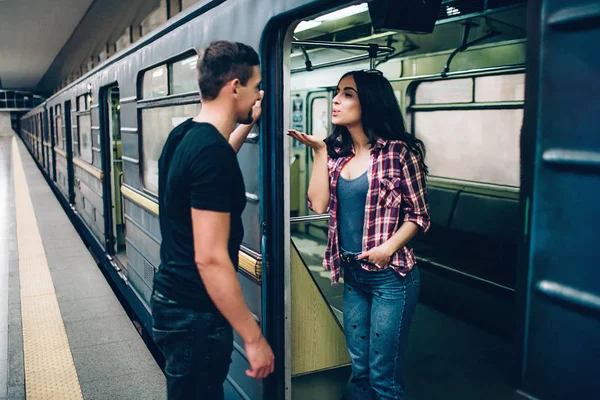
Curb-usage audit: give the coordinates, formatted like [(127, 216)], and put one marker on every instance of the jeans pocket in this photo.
[(176, 347), (414, 277), (180, 333)]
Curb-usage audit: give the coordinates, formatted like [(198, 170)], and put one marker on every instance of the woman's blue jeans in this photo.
[(378, 307)]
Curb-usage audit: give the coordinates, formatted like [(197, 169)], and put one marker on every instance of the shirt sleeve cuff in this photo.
[(423, 222)]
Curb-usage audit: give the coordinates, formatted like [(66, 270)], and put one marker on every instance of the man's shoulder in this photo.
[(174, 138), (203, 136)]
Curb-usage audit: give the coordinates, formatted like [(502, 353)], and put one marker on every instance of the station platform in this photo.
[(63, 332)]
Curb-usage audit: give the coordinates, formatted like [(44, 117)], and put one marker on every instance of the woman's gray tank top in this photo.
[(352, 198)]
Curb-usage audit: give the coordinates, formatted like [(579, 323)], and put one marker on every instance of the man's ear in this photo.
[(235, 85)]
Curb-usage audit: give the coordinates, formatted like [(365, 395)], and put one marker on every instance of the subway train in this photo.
[(502, 92)]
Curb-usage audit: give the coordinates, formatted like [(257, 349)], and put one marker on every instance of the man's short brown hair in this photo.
[(221, 62)]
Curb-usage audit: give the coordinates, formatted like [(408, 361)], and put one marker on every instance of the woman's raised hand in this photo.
[(308, 140)]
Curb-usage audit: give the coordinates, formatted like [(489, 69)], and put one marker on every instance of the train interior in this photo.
[(461, 90)]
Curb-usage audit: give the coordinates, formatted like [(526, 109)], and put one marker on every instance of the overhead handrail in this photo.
[(341, 46), (410, 48), (373, 52), (465, 45), (307, 61), (334, 63)]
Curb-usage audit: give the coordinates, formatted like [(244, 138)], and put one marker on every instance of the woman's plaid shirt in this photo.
[(397, 193)]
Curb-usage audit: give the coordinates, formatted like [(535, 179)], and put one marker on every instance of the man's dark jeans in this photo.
[(197, 348)]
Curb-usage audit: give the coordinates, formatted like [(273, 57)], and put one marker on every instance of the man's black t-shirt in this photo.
[(198, 168)]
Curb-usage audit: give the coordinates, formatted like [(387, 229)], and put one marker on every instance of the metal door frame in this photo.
[(106, 141), (557, 164)]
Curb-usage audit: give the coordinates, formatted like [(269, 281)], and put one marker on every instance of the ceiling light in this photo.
[(305, 25), (343, 13), (157, 73), (451, 11)]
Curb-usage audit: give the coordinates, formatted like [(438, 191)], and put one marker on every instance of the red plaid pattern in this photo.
[(397, 193)]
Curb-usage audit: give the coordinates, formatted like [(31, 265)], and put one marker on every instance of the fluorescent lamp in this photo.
[(305, 25), (343, 13), (450, 11)]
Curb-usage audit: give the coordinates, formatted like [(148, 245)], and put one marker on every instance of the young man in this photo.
[(197, 298)]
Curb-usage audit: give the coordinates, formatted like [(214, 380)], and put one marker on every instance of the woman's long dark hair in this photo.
[(380, 116)]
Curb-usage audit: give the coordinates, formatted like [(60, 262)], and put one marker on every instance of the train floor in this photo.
[(446, 358), (63, 333)]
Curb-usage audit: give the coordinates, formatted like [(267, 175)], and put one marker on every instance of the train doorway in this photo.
[(464, 322), (113, 170), (68, 134), (53, 135)]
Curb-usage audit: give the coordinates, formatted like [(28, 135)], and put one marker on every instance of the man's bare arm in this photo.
[(239, 135), (211, 237)]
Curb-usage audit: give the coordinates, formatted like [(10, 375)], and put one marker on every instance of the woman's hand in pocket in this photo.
[(380, 256)]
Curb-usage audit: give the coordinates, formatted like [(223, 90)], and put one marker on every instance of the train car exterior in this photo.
[(98, 141), (105, 132)]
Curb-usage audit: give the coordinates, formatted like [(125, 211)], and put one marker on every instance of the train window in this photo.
[(45, 132), (175, 77), (500, 88), (155, 82), (475, 145), (82, 103), (84, 129), (58, 126), (37, 134), (450, 91), (183, 76), (156, 125), (3, 100), (85, 137), (477, 141)]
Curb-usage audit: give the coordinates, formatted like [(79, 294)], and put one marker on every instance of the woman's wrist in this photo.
[(389, 248), (320, 151)]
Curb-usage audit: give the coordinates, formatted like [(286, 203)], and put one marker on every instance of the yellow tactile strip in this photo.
[(49, 369)]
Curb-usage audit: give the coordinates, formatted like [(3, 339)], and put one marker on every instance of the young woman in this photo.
[(369, 174)]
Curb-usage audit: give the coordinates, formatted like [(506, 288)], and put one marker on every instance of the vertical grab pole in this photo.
[(373, 50)]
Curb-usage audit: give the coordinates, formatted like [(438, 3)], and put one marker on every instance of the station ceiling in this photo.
[(32, 32), (42, 41)]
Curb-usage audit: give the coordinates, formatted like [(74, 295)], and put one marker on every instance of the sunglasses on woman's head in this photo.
[(373, 71)]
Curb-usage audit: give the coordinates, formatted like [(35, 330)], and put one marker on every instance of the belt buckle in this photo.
[(346, 258)]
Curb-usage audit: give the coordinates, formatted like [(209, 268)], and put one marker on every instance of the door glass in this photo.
[(320, 117), (319, 127), (114, 125)]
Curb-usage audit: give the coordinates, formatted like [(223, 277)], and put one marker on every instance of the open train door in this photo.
[(561, 181)]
